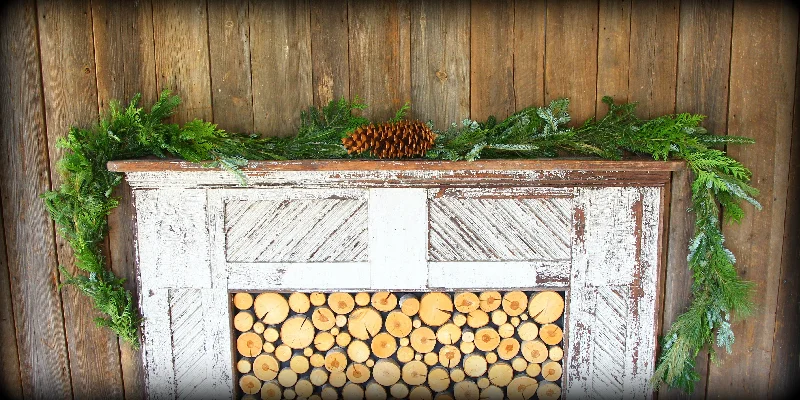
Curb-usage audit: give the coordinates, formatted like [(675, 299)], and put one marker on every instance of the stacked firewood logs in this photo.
[(463, 345)]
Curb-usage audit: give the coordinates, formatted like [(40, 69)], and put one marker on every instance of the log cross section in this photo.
[(589, 229)]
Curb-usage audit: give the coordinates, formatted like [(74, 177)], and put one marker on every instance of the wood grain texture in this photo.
[(613, 51), (68, 73), (785, 366), (609, 336), (280, 53), (29, 234), (124, 52), (180, 30), (125, 58), (759, 31), (654, 46), (440, 54), (229, 55), (705, 27), (380, 55), (571, 63), (529, 53), (492, 59), (330, 45), (315, 230), (498, 229), (10, 379)]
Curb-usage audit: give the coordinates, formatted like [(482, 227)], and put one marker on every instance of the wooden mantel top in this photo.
[(147, 174), (632, 165)]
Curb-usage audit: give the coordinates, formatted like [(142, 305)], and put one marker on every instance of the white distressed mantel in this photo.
[(589, 228)]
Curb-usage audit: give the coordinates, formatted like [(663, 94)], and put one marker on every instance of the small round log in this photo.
[(533, 370), (459, 319), (534, 351), (358, 351), (375, 391), (546, 307), (551, 334), (466, 302), (271, 334), (515, 303), (466, 347), (399, 391), (409, 305), (414, 373), (343, 339), (490, 301), (335, 360), (249, 344), (318, 376), (491, 357), (317, 360), (457, 375), (249, 384), (352, 391), (337, 379), (438, 379), (398, 324), (323, 341), (383, 345), (474, 365), (420, 393), (287, 377), (243, 366), (271, 308), (478, 318), (329, 392), (317, 298), (297, 332), (423, 340), (435, 308), (551, 370), (283, 353), (341, 302), (430, 358), (364, 323), (519, 364), (258, 327), (522, 388), (492, 393), (357, 373), (501, 374), (303, 388), (506, 330), (548, 391), (487, 339), (508, 348), (362, 299), (448, 334), (271, 391), (466, 390), (405, 354), (299, 302), (384, 301), (499, 317), (386, 372), (243, 321), (243, 301), (323, 318), (556, 353), (449, 356), (528, 331), (299, 364)]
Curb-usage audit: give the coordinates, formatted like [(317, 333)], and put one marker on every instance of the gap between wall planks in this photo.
[(669, 56)]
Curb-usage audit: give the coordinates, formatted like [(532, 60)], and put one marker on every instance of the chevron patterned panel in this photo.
[(609, 333), (307, 230), (492, 229)]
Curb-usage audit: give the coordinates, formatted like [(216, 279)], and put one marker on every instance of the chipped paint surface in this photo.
[(199, 236)]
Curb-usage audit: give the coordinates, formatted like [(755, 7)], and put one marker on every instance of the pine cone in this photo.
[(391, 140)]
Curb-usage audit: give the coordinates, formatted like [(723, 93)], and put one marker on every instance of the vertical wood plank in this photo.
[(529, 53), (181, 54), (702, 87), (380, 55), (125, 58), (70, 98), (229, 46), (329, 48), (440, 57), (571, 63), (654, 46), (763, 31), (124, 51), (30, 246), (613, 51), (10, 380), (785, 367), (492, 59), (280, 40)]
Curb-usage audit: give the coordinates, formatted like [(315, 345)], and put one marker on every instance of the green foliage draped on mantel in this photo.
[(82, 203)]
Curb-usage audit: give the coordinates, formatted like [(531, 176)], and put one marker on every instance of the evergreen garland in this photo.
[(84, 200)]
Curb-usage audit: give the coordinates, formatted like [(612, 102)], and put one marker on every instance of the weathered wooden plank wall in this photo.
[(252, 65)]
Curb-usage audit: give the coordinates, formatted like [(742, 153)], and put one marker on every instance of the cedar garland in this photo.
[(80, 206)]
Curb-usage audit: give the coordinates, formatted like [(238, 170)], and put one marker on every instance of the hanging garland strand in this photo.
[(82, 203)]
